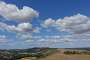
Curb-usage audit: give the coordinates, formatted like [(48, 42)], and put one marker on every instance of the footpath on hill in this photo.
[(61, 56)]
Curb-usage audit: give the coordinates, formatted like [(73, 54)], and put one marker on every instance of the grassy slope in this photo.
[(60, 56)]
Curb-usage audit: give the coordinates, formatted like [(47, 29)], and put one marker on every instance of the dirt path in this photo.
[(60, 56)]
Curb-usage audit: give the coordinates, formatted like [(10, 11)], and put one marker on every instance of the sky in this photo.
[(44, 23)]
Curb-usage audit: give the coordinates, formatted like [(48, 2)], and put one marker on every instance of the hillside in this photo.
[(46, 54), (60, 56)]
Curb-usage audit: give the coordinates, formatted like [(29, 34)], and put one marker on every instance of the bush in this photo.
[(77, 52)]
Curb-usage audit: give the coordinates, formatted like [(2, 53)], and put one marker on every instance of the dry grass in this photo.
[(67, 57), (61, 56)]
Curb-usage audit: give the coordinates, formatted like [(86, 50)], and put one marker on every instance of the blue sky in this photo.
[(55, 8), (44, 23)]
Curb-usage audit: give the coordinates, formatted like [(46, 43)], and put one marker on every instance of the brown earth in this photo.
[(61, 56)]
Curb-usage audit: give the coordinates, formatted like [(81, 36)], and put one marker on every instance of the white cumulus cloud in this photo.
[(48, 22), (77, 23), (12, 12), (20, 28)]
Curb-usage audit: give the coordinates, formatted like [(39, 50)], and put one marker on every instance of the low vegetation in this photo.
[(77, 52), (18, 54)]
